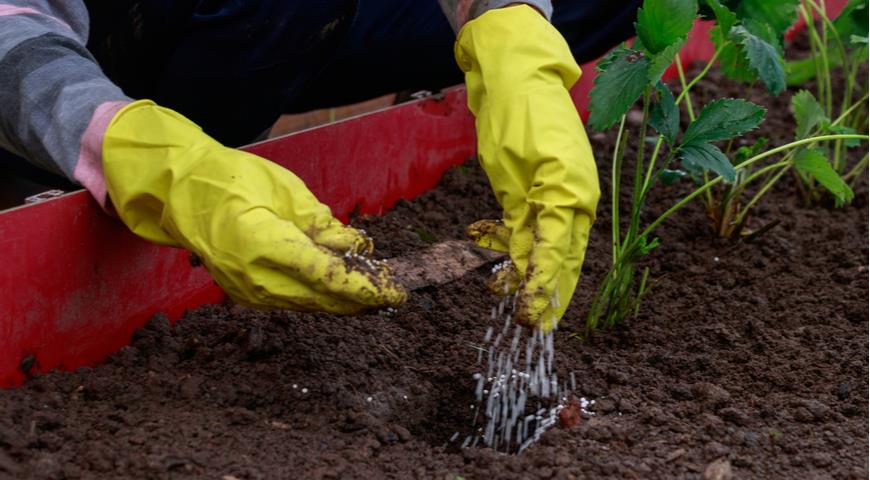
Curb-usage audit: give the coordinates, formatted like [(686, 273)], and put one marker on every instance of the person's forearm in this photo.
[(55, 101), (459, 12)]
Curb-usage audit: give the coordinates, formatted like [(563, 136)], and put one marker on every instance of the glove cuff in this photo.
[(512, 50), (459, 13), (145, 149)]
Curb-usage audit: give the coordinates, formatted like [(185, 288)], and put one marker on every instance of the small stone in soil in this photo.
[(279, 425), (843, 390), (241, 416), (605, 405), (387, 436), (750, 439), (625, 406), (735, 416), (675, 455), (718, 470), (402, 432), (816, 410)]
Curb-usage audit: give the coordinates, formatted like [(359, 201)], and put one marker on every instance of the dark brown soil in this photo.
[(753, 355)]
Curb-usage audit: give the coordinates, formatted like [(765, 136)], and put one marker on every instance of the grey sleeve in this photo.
[(55, 100), (460, 11)]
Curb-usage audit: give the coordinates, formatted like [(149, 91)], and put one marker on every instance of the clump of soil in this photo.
[(571, 415), (749, 358)]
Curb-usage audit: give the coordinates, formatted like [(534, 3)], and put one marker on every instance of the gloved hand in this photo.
[(259, 231), (532, 145)]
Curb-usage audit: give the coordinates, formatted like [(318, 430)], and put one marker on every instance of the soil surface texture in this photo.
[(747, 360)]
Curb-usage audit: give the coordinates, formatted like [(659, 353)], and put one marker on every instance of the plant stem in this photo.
[(641, 290), (821, 9), (618, 154), (637, 197), (652, 163), (687, 96), (827, 65), (687, 88), (852, 108), (823, 15), (728, 148), (851, 71), (859, 120), (760, 193), (708, 196), (827, 26), (661, 169), (738, 189), (802, 190), (857, 168), (814, 49)]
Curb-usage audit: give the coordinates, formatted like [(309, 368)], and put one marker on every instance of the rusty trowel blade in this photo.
[(440, 263)]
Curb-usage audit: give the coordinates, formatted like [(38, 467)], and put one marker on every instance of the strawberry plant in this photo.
[(749, 47), (628, 74), (838, 43)]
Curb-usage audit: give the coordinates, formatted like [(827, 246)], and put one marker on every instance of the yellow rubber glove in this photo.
[(259, 231), (532, 145)]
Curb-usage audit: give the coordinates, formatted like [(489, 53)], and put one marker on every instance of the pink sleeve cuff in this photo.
[(6, 10), (89, 169)]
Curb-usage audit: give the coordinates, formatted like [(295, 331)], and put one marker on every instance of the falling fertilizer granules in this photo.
[(520, 396)]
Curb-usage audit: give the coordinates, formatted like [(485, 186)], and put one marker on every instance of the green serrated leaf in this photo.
[(670, 176), (779, 14), (732, 60), (808, 113), (638, 45), (763, 57), (613, 55), (698, 157), (660, 23), (616, 89), (724, 119), (725, 18), (813, 162), (662, 60), (764, 32), (665, 115)]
